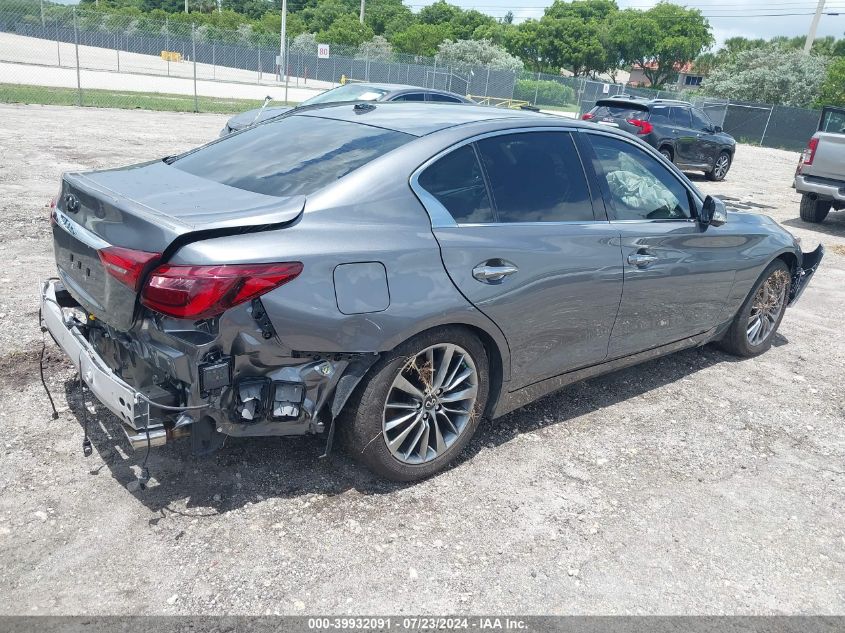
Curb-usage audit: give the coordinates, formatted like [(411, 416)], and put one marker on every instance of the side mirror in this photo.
[(717, 129), (713, 213)]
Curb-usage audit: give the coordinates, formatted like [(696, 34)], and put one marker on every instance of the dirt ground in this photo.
[(694, 484)]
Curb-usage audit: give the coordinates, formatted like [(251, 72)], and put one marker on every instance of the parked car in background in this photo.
[(820, 177), (681, 132), (400, 271), (350, 92)]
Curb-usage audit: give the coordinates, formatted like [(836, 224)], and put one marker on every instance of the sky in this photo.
[(749, 18)]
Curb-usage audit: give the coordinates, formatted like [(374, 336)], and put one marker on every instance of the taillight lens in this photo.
[(201, 292), (587, 116), (810, 153), (127, 265), (644, 126)]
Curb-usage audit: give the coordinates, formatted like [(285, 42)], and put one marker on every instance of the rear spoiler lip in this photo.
[(622, 102)]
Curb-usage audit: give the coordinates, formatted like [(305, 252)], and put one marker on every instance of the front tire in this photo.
[(419, 406), (720, 167), (813, 209), (754, 326)]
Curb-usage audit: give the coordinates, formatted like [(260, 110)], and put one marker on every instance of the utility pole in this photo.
[(283, 71), (186, 6), (811, 36), (362, 11)]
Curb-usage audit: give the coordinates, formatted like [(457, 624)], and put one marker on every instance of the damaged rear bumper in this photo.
[(117, 396), (809, 264)]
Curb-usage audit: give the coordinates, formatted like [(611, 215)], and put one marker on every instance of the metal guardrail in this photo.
[(499, 102)]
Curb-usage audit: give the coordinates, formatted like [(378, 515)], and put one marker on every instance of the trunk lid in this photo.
[(151, 207), (829, 160)]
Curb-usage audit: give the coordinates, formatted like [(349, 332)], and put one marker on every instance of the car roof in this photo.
[(419, 119), (396, 89)]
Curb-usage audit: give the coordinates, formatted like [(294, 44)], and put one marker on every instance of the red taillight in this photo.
[(587, 116), (810, 153), (200, 292), (127, 265), (644, 126)]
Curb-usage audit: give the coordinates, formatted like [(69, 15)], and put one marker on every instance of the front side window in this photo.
[(536, 177), (411, 96), (438, 98), (638, 187), (293, 155), (701, 121), (458, 184)]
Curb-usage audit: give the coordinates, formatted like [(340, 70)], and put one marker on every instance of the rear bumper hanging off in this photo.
[(805, 271)]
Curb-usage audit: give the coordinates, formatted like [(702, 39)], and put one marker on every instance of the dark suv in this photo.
[(682, 133)]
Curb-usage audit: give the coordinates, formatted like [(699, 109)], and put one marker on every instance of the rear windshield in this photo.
[(349, 92), (618, 112), (833, 121), (294, 155)]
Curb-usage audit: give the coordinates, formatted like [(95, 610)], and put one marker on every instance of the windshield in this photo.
[(293, 155), (349, 92)]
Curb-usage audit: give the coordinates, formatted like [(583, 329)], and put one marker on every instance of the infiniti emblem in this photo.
[(71, 203)]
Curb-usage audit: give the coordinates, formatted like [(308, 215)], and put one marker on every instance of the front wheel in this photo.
[(755, 324), (419, 405), (720, 168)]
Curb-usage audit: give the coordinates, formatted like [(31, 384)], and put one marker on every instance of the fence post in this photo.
[(287, 75), (486, 84), (167, 42), (194, 57), (213, 60), (76, 47), (537, 87), (58, 44), (771, 109), (117, 48), (259, 64)]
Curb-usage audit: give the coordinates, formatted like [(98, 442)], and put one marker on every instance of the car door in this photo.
[(677, 274), (685, 137), (513, 214), (708, 145)]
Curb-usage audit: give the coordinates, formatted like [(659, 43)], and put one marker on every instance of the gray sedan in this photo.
[(342, 94), (397, 274)]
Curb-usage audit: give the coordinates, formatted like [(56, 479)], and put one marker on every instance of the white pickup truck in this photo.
[(820, 177)]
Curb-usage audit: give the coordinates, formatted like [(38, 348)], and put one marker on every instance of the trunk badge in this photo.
[(71, 203)]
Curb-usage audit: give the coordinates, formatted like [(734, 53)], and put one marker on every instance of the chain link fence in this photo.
[(73, 55)]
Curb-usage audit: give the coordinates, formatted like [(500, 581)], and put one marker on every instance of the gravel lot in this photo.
[(692, 484)]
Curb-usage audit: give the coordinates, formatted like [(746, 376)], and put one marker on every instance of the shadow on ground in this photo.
[(247, 469)]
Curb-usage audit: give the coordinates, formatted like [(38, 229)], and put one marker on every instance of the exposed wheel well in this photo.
[(668, 148), (790, 260)]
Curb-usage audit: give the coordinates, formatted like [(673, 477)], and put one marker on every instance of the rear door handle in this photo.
[(641, 260), (493, 271)]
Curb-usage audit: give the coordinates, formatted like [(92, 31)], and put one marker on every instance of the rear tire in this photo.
[(764, 307), (667, 153), (813, 209), (368, 423)]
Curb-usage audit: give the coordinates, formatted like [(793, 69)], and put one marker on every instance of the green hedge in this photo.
[(546, 92)]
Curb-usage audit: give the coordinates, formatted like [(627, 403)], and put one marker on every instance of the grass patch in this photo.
[(42, 95)]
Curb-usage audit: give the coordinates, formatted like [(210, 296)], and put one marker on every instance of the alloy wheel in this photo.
[(430, 403), (722, 164), (769, 302)]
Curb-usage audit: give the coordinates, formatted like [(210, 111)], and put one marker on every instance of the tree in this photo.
[(832, 91), (376, 48), (584, 10), (304, 43), (422, 39), (477, 53), (572, 43), (662, 39), (346, 29), (524, 42), (439, 12), (783, 77), (380, 14)]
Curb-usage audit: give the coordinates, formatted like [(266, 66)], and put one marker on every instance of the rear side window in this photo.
[(659, 114), (458, 184), (294, 155), (680, 116), (701, 121), (536, 177)]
